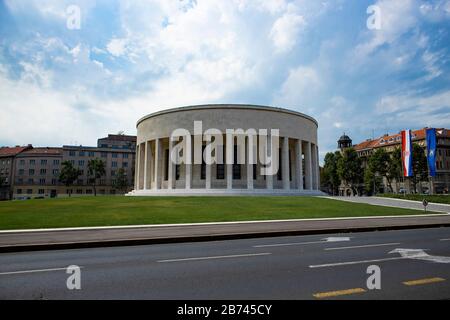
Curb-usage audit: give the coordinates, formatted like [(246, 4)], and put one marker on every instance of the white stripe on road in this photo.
[(365, 246), (289, 244), (353, 262), (445, 239), (217, 257), (32, 271)]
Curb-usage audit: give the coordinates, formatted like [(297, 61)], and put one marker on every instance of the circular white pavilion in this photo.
[(226, 149)]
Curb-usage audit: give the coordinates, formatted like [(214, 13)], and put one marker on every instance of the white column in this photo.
[(250, 149), (298, 164), (317, 168), (149, 174), (308, 166), (314, 166), (285, 164), (188, 168), (136, 169), (208, 176), (269, 178), (229, 166), (157, 163), (171, 167), (145, 164)]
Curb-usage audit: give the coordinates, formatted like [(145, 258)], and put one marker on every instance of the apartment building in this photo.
[(34, 172)]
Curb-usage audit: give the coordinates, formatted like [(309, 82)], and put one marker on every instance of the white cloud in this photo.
[(286, 29), (397, 18), (300, 89), (117, 47)]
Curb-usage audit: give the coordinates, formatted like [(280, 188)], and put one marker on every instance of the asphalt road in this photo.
[(300, 267)]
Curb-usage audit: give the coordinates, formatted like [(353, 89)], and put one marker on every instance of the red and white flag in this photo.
[(407, 153)]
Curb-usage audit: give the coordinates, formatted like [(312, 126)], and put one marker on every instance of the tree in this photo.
[(68, 174), (121, 181), (395, 166), (96, 169), (349, 168), (330, 176), (419, 164), (380, 164), (372, 181)]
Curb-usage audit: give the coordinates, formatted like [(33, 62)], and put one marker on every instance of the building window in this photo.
[(22, 162), (236, 166), (81, 163), (56, 162), (125, 165), (41, 191), (29, 191), (31, 172), (20, 181), (254, 171), (30, 181), (91, 154), (114, 164), (55, 171), (166, 169), (54, 181), (43, 171), (72, 162), (203, 166), (177, 172), (43, 162), (88, 191), (103, 145), (104, 154), (21, 172), (32, 162), (280, 161), (79, 191), (113, 172), (220, 171), (81, 153), (125, 155), (72, 153), (42, 181), (114, 155)]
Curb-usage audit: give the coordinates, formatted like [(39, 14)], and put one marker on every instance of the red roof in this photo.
[(12, 151), (396, 139), (43, 151)]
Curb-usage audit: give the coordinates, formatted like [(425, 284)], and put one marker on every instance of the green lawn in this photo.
[(418, 197), (109, 211)]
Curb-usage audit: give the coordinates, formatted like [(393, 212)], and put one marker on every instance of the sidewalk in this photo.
[(397, 203), (15, 241)]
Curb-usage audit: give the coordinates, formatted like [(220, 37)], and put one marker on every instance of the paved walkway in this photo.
[(398, 203)]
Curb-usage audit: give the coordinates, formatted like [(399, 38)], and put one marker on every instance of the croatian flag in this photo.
[(407, 153)]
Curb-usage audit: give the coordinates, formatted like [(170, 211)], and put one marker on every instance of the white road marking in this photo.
[(32, 271), (353, 262), (420, 254), (217, 257), (365, 246), (445, 239), (325, 240)]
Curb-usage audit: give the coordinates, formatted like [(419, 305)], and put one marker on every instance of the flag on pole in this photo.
[(431, 151), (407, 153)]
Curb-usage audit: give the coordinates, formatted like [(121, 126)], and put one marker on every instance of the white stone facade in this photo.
[(155, 174)]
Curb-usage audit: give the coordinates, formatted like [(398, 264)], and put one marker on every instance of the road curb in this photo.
[(205, 238)]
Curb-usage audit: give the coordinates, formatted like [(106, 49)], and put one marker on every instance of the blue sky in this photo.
[(129, 58)]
